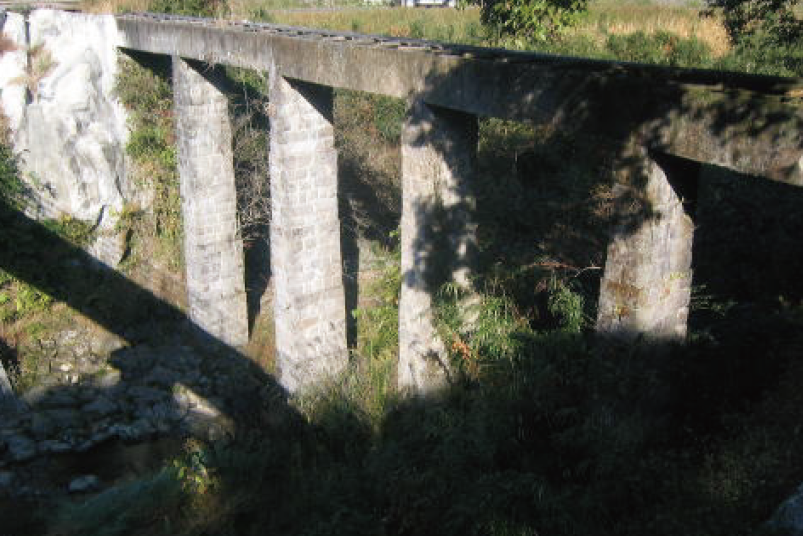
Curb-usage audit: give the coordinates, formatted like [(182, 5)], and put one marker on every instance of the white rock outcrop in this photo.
[(68, 128), (12, 67)]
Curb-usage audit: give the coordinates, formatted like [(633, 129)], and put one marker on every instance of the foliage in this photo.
[(776, 19), (147, 95), (380, 114), (198, 8), (248, 104), (767, 34), (537, 20), (75, 232), (19, 299), (378, 321), (11, 186), (763, 53)]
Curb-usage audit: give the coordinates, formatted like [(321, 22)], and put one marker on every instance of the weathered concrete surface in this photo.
[(437, 233), (646, 286), (689, 112), (68, 128), (309, 302), (213, 249)]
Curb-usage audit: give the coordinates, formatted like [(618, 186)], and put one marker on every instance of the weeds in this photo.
[(157, 232), (249, 122), (40, 65), (11, 186)]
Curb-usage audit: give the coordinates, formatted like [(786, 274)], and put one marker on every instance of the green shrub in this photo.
[(538, 20), (147, 95), (777, 20), (566, 305), (77, 232), (378, 334), (763, 53), (198, 8), (10, 183)]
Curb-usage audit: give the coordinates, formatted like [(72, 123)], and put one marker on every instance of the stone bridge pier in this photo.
[(439, 148), (646, 286), (213, 249), (309, 301)]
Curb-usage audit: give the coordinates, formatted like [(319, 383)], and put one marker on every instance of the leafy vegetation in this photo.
[(538, 20), (11, 186), (155, 231)]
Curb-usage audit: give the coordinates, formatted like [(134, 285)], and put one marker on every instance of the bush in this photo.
[(746, 18), (198, 8), (538, 20), (765, 53), (767, 35), (10, 184), (147, 95)]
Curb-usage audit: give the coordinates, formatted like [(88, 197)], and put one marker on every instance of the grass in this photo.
[(156, 231), (610, 18), (463, 26)]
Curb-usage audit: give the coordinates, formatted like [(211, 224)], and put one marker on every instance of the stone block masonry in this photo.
[(437, 233), (646, 287), (213, 249), (310, 310)]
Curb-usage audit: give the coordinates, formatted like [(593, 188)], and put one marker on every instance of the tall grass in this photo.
[(605, 19)]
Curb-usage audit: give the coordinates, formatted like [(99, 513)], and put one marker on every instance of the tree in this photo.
[(766, 34), (744, 19)]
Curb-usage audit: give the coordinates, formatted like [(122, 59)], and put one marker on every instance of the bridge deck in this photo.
[(694, 113)]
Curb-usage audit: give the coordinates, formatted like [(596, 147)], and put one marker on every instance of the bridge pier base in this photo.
[(213, 250), (310, 310), (646, 288), (439, 149)]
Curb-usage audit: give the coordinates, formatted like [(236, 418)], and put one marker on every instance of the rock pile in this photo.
[(135, 394)]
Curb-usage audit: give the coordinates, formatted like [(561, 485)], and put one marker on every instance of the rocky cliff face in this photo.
[(57, 90)]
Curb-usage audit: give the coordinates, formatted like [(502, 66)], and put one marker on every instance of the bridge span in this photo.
[(749, 124)]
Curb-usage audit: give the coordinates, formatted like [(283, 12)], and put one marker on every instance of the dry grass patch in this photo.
[(442, 24), (625, 19), (114, 6), (6, 44)]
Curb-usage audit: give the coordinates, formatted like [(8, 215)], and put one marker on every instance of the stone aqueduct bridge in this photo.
[(750, 124)]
